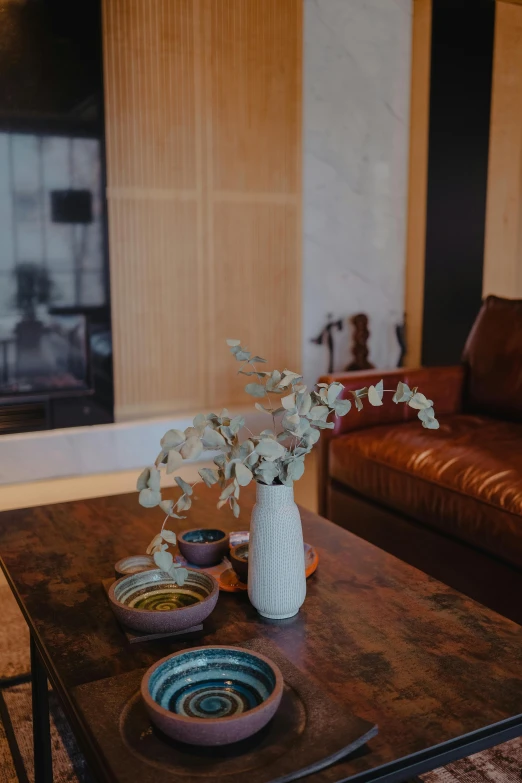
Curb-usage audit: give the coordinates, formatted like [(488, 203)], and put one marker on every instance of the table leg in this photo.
[(43, 760)]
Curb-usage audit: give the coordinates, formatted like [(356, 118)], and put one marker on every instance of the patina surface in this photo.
[(422, 661)]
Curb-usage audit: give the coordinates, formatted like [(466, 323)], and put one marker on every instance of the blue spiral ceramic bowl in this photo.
[(212, 695)]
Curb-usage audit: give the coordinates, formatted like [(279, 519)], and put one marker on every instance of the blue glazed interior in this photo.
[(203, 536), (212, 683)]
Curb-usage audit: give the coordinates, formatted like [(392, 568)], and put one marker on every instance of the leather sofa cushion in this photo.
[(464, 479), (493, 360)]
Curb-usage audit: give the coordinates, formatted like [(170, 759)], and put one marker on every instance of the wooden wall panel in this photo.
[(418, 178), (503, 245), (203, 114), (257, 290)]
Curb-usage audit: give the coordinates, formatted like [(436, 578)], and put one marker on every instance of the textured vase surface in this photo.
[(276, 568)]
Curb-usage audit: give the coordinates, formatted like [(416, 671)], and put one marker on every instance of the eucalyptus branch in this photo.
[(262, 458)]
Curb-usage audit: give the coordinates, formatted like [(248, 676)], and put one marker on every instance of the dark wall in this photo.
[(460, 97)]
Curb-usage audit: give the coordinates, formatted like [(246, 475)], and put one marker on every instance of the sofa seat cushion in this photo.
[(464, 479)]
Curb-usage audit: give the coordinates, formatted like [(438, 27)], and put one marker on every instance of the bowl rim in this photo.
[(181, 536), (149, 701), (233, 552), (116, 602), (118, 565)]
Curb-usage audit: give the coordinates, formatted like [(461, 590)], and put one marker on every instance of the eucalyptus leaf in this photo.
[(163, 560), (323, 425), (149, 498), (171, 439), (274, 380), (260, 407), (184, 503), (243, 356), (178, 574), (255, 389), (156, 542), (232, 343), (167, 507), (431, 424), (236, 423), (174, 461), (192, 448), (212, 439), (403, 393), (228, 491), (168, 535), (143, 479), (258, 360), (304, 403), (289, 402), (318, 412), (270, 449), (243, 474), (235, 507), (419, 401), (342, 407), (334, 391), (182, 484), (374, 398), (208, 475), (296, 469)]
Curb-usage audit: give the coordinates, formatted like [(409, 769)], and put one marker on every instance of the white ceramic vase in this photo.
[(276, 568)]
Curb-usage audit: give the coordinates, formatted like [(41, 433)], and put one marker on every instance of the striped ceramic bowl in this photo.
[(212, 695), (151, 601)]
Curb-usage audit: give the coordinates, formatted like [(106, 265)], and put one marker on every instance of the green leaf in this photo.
[(288, 402), (200, 421), (156, 542), (431, 424), (304, 403), (267, 472), (163, 560), (236, 423), (243, 474), (175, 461), (192, 448), (273, 381), (243, 356), (232, 343), (334, 391), (419, 401), (184, 503), (296, 469), (149, 498), (255, 389), (228, 491), (179, 574), (169, 535), (187, 489), (318, 412), (209, 476), (403, 393), (235, 507), (212, 439), (171, 439), (342, 407), (323, 425), (143, 479), (374, 396), (270, 449), (167, 506)]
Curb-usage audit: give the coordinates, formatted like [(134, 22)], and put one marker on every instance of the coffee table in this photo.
[(440, 674)]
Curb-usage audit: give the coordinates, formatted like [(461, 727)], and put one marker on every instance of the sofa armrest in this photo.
[(443, 385)]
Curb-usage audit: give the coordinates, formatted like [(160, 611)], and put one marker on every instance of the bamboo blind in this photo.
[(203, 128)]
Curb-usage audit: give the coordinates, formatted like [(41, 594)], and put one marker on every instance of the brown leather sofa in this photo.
[(448, 501)]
